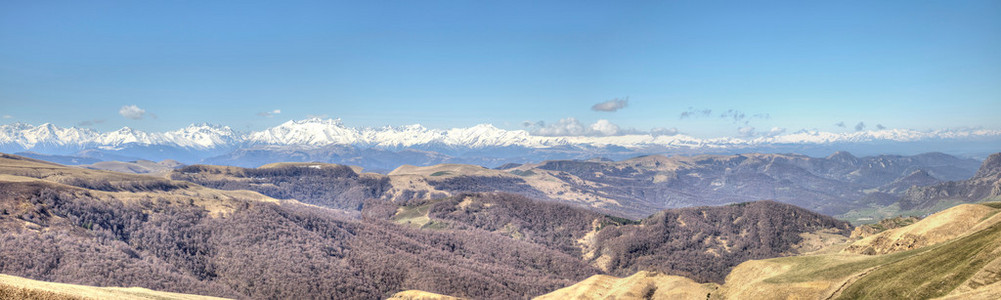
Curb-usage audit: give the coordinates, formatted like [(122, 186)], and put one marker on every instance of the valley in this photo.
[(840, 184), (507, 232)]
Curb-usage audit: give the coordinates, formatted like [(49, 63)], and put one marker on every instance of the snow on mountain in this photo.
[(128, 135), (30, 137), (316, 132), (203, 136), (321, 132), (403, 136), (312, 132), (486, 135)]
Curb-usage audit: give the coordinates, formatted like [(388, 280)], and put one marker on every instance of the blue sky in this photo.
[(901, 64)]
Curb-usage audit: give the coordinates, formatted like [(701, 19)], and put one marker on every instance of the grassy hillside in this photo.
[(934, 229), (421, 295), (13, 287), (931, 273), (642, 285), (965, 263)]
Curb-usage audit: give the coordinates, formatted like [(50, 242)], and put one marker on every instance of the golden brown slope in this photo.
[(989, 292), (934, 229), (642, 285), (13, 287), (966, 264), (421, 295), (447, 170), (136, 167)]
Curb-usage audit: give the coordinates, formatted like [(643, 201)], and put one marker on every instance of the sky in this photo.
[(703, 68)]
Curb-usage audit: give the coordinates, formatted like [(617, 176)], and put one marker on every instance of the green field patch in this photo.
[(831, 267), (523, 173), (435, 225), (996, 205), (414, 216)]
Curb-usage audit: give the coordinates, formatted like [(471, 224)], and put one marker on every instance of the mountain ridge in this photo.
[(985, 185)]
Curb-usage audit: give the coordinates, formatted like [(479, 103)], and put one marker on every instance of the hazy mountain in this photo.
[(60, 159), (633, 188), (985, 185), (829, 185), (917, 178)]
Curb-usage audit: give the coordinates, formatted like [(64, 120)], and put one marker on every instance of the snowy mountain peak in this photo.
[(313, 132), (412, 127), (205, 126), (126, 130), (203, 136), (314, 120)]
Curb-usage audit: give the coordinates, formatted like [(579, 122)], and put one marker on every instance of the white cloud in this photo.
[(664, 131), (605, 127), (775, 131), (747, 131), (611, 105), (132, 112), (565, 127), (7, 116), (573, 127), (268, 114)]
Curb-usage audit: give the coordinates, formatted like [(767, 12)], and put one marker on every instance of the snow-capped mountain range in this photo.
[(29, 137), (313, 133), (323, 132)]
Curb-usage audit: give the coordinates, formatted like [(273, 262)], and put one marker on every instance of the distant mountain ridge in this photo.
[(479, 143), (631, 188), (985, 185)]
